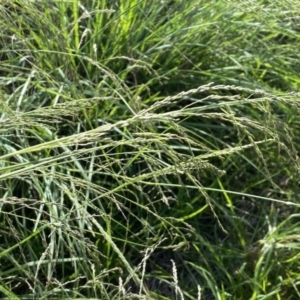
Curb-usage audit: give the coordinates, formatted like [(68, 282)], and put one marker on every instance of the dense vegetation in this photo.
[(148, 149)]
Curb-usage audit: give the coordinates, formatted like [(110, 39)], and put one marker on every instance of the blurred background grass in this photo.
[(149, 149)]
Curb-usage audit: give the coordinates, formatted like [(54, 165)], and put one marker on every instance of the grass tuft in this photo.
[(149, 150)]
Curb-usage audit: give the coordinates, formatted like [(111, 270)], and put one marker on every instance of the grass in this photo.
[(148, 150)]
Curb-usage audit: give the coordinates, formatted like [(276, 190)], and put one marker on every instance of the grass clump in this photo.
[(149, 150)]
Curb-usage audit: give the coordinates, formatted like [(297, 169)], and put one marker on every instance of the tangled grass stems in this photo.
[(148, 149)]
